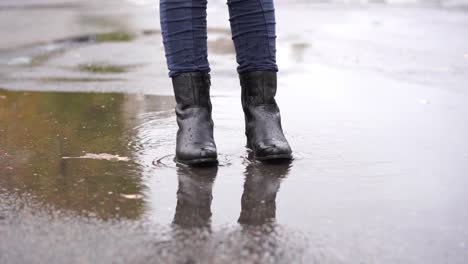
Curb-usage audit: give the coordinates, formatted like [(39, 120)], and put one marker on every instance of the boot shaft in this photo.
[(258, 88), (192, 89)]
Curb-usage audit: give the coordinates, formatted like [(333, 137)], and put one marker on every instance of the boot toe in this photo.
[(273, 149), (197, 155)]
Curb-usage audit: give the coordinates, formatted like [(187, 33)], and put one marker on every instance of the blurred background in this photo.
[(60, 37)]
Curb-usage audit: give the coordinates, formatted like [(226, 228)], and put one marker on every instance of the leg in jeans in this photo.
[(183, 26), (253, 32)]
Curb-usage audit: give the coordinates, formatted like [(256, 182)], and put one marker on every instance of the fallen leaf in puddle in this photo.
[(101, 156), (132, 196)]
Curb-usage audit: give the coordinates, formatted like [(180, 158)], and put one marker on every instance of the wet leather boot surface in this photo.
[(195, 142), (262, 116)]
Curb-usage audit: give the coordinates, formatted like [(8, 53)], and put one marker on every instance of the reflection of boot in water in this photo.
[(194, 196), (262, 182)]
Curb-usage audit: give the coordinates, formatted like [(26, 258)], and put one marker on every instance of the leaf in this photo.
[(132, 196)]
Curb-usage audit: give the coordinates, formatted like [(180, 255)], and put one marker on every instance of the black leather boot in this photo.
[(262, 116), (195, 142)]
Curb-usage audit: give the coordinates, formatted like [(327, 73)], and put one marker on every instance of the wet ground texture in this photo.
[(373, 100)]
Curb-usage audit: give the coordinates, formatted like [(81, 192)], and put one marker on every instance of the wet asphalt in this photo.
[(373, 100)]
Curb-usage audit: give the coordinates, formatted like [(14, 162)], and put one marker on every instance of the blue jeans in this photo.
[(184, 31)]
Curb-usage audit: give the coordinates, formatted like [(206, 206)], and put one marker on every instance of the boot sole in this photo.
[(198, 162)]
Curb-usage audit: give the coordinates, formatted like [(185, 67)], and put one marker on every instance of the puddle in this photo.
[(47, 143), (105, 161)]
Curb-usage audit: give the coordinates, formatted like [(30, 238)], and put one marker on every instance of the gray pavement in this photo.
[(373, 100)]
